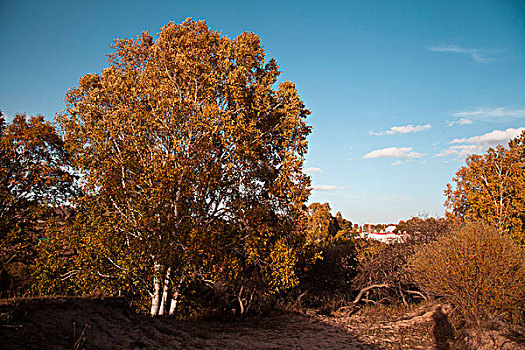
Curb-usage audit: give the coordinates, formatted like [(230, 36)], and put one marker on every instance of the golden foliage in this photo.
[(475, 268), (491, 187), (34, 178), (192, 155)]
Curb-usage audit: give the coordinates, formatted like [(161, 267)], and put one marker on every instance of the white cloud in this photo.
[(476, 54), (492, 113), (324, 187), (461, 150), (462, 121), (312, 170), (478, 144), (402, 130), (402, 153), (492, 138), (328, 188)]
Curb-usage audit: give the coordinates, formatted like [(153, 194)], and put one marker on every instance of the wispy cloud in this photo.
[(492, 138), (395, 198), (462, 121), (478, 144), (324, 187), (402, 130), (460, 151), (401, 153), (476, 54), (492, 113), (486, 115), (312, 170)]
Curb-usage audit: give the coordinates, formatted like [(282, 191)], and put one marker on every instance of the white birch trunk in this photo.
[(165, 290), (175, 296), (155, 299), (241, 302)]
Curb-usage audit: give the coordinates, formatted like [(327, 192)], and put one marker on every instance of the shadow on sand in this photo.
[(443, 331), (91, 323)]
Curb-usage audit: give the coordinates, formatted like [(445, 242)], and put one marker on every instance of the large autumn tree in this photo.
[(194, 159), (491, 187)]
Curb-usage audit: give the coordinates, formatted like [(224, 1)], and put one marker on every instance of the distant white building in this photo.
[(390, 228), (385, 236)]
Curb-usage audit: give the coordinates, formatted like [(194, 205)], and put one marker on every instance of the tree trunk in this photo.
[(165, 293), (241, 302), (175, 296), (155, 299)]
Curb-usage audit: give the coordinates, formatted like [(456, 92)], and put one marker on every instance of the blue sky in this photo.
[(400, 91)]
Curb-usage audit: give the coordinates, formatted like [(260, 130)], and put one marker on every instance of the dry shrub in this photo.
[(384, 264), (475, 268)]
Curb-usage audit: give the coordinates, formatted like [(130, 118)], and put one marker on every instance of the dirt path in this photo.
[(79, 323), (108, 324), (287, 331)]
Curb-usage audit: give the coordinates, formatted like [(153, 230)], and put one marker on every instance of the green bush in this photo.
[(476, 269)]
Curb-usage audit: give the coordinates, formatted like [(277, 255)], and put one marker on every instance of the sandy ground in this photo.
[(108, 324)]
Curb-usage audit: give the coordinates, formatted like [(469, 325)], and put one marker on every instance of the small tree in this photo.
[(328, 259), (476, 269), (35, 177), (322, 227), (491, 187)]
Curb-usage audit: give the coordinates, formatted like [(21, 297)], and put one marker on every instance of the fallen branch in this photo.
[(15, 326), (423, 296), (369, 301), (352, 308), (366, 289), (346, 310)]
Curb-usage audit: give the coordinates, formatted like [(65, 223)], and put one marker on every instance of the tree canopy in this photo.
[(323, 227), (34, 178), (491, 187), (186, 147)]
